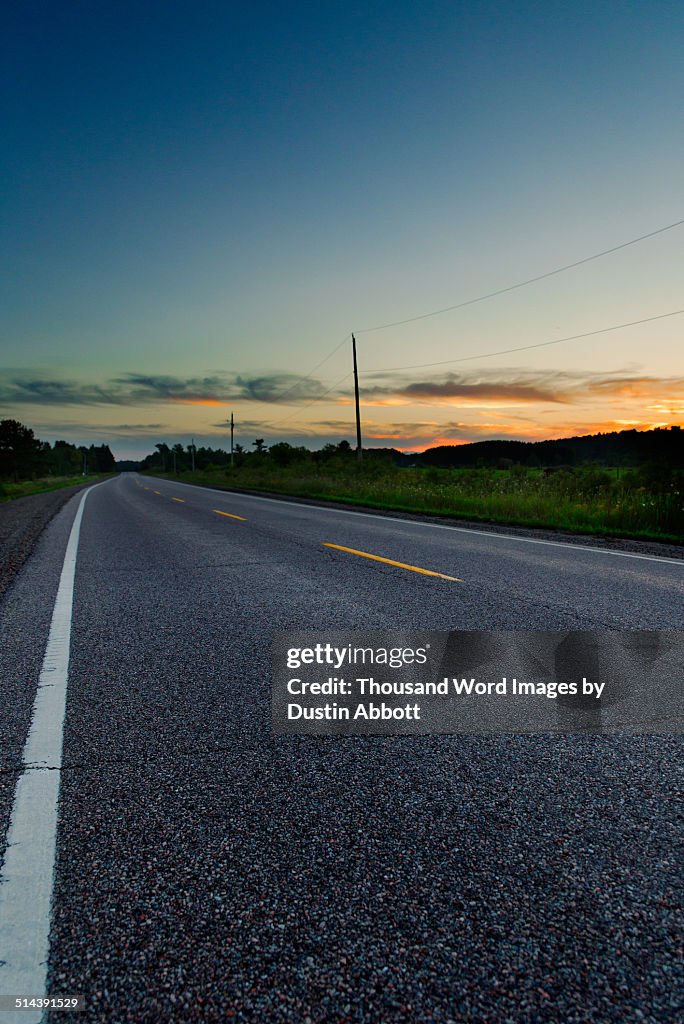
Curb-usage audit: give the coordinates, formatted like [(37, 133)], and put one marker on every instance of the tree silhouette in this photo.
[(19, 450), (163, 450)]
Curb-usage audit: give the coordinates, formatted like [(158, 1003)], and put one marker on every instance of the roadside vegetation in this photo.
[(31, 466), (644, 501), (9, 491)]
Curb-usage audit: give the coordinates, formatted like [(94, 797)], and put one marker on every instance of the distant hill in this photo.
[(620, 448), (126, 466)]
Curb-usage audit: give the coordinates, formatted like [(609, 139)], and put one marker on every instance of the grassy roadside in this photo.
[(9, 491), (587, 500)]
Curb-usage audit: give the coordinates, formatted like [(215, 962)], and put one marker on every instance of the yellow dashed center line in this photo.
[(181, 500), (390, 561), (230, 515), (157, 492)]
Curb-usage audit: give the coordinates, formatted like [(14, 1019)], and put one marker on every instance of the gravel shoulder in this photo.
[(21, 523)]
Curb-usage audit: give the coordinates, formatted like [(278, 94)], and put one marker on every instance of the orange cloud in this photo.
[(197, 401)]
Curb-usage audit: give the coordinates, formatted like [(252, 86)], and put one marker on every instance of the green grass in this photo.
[(9, 491), (589, 500)]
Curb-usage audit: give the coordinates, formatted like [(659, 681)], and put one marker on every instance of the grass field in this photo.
[(9, 491), (645, 503)]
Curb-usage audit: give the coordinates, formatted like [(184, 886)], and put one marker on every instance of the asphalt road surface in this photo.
[(206, 870)]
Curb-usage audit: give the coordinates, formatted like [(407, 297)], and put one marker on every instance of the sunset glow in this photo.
[(498, 225)]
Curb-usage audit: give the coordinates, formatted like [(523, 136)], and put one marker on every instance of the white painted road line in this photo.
[(27, 877)]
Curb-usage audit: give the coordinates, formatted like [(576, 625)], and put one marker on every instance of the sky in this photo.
[(202, 201)]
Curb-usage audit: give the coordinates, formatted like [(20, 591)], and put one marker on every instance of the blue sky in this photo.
[(202, 201)]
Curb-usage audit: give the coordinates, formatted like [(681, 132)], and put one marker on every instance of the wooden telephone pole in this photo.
[(232, 428), (359, 449)]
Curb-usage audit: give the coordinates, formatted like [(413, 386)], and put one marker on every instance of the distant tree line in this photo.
[(23, 456), (664, 446), (629, 448), (181, 459)]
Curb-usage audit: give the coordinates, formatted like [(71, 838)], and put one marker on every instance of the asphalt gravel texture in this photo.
[(209, 871), (21, 523)]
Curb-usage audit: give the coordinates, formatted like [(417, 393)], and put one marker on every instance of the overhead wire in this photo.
[(470, 302), (308, 376), (525, 348), (312, 402), (523, 284), (311, 372), (479, 355)]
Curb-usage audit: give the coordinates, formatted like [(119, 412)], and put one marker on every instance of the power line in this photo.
[(312, 402), (313, 370), (470, 302), (307, 377), (482, 355), (525, 348), (522, 284)]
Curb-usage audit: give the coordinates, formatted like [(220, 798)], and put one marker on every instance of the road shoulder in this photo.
[(22, 521)]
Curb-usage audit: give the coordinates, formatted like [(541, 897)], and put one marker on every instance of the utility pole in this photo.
[(192, 454), (232, 428), (175, 471), (359, 449)]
